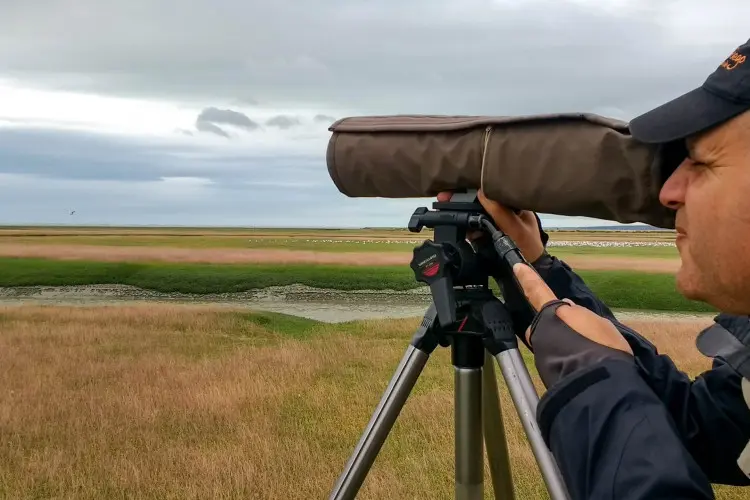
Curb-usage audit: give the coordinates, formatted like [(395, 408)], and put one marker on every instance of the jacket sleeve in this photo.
[(708, 414), (613, 438)]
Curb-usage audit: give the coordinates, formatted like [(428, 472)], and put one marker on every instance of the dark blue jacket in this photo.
[(644, 430)]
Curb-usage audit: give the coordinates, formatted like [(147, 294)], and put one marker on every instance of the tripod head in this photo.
[(449, 261), (451, 264)]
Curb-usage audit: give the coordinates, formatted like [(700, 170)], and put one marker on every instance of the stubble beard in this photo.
[(689, 280)]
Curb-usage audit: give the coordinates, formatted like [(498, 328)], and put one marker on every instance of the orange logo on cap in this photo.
[(733, 61)]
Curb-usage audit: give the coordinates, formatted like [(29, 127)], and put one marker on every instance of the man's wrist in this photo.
[(544, 262)]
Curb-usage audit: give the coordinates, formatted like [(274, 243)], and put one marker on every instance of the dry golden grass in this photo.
[(677, 340), (167, 401), (97, 253)]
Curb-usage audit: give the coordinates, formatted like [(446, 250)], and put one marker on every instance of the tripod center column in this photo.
[(468, 359)]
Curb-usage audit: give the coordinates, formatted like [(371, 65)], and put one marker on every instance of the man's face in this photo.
[(711, 193)]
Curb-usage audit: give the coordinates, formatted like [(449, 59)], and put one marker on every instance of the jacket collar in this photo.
[(729, 339)]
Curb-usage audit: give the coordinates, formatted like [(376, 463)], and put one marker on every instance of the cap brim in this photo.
[(691, 113)]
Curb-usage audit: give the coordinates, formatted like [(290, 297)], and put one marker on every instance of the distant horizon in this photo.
[(613, 227)]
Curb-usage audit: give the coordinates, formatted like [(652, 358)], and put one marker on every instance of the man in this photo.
[(620, 418)]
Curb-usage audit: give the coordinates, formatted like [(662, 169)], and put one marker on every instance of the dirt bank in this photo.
[(299, 300), (274, 256)]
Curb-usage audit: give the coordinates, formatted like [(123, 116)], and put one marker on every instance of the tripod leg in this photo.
[(469, 458), (525, 399), (402, 382), (380, 424), (524, 378), (494, 434), (468, 358), (502, 343)]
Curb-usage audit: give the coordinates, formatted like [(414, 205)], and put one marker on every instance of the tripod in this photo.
[(466, 316)]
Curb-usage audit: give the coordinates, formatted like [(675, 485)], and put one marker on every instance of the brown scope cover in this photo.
[(574, 164)]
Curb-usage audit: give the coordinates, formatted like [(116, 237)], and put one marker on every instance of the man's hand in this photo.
[(522, 228), (566, 337)]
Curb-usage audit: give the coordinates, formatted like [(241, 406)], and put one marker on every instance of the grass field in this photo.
[(175, 401), (160, 402)]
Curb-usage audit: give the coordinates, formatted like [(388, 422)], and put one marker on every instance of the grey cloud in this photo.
[(476, 56), (73, 155), (118, 181), (89, 157), (215, 116), (283, 122), (203, 126), (42, 200)]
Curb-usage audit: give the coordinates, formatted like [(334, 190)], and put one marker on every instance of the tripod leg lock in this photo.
[(428, 337), (500, 334)]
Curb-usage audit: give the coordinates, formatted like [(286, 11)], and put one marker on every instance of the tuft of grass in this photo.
[(290, 326)]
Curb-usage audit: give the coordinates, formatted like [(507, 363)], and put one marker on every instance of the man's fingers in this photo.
[(536, 290), (444, 196), (527, 217), (503, 216)]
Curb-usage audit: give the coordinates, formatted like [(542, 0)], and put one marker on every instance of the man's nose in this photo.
[(672, 194)]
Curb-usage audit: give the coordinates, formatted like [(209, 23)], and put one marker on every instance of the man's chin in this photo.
[(687, 286)]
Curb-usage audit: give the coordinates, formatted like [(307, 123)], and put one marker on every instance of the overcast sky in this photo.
[(216, 112)]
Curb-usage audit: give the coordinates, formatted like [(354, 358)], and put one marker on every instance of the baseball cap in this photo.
[(724, 95)]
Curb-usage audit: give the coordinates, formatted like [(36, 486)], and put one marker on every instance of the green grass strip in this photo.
[(618, 289), (640, 291), (200, 278)]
